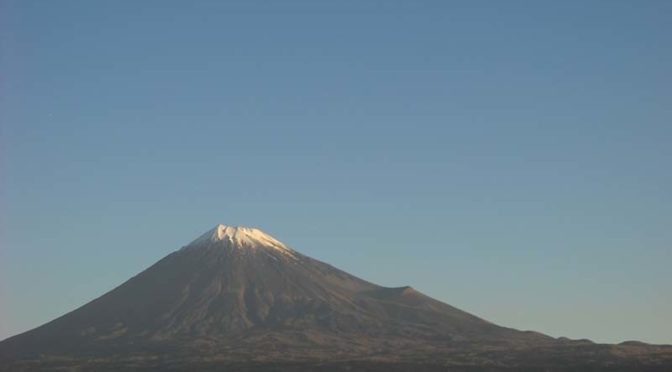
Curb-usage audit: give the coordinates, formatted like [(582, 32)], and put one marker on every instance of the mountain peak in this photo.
[(239, 236)]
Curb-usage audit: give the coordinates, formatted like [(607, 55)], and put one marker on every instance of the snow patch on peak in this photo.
[(240, 236), (243, 235)]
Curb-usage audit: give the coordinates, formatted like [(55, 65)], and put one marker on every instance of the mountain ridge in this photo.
[(236, 294)]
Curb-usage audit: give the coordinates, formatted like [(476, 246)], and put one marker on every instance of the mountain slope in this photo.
[(237, 293)]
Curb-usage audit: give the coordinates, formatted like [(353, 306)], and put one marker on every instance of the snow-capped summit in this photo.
[(239, 236)]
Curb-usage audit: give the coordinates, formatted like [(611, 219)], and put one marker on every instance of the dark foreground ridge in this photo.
[(237, 299)]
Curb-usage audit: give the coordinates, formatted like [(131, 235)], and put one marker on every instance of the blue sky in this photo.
[(509, 158)]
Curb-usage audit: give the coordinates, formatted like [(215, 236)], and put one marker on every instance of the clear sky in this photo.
[(511, 158)]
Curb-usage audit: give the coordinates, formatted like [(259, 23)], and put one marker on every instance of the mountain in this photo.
[(239, 299)]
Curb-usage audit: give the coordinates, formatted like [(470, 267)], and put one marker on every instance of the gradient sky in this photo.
[(511, 158)]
